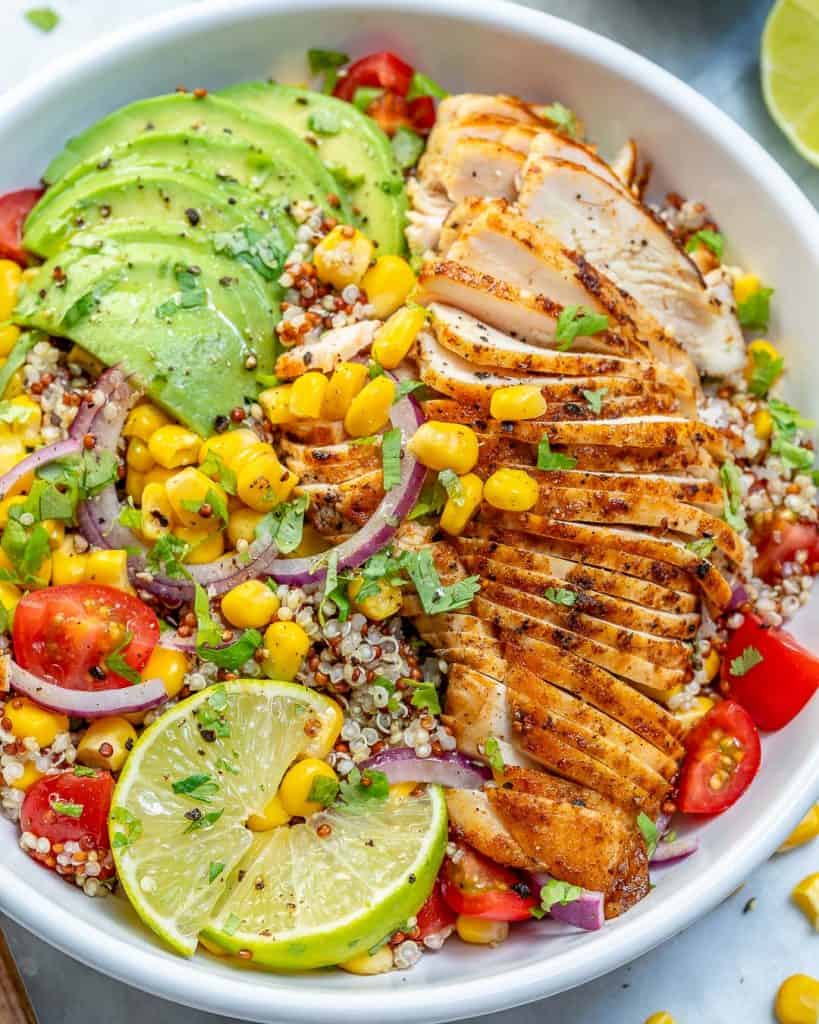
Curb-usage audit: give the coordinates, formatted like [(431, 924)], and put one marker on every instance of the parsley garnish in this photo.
[(492, 753), (407, 146), (553, 892), (323, 791), (703, 547), (755, 312), (561, 117), (577, 321), (547, 459), (595, 399), (116, 663), (133, 827), (560, 595), (765, 370), (197, 787), (732, 490), (649, 832), (712, 240), (745, 662), (202, 822), (359, 791), (66, 808), (425, 697), (214, 870), (391, 458), (43, 18), (406, 387)]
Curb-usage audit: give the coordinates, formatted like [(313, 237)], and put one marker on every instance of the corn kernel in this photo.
[(694, 711), (67, 565), (386, 601), (287, 645), (440, 446), (12, 451), (7, 504), (250, 605), (711, 665), (30, 720), (763, 424), (459, 510), (106, 743), (307, 395), (294, 791), (370, 409), (157, 512), (396, 337), (228, 445), (345, 383), (11, 275), (271, 816), (108, 567), (265, 483), (324, 730), (206, 544), (134, 485), (16, 386), (512, 490), (30, 418), (168, 665), (369, 964), (388, 284), (56, 532), (276, 404), (249, 454), (519, 402), (172, 446), (138, 456), (80, 357), (8, 338), (143, 421), (399, 791), (480, 932), (806, 896), (242, 525), (746, 285), (9, 598), (158, 475), (797, 1001), (342, 257), (28, 778), (187, 491), (807, 829), (660, 1017)]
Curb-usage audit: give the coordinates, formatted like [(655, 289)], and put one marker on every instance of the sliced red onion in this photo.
[(586, 912), (677, 849), (49, 453), (453, 770), (89, 408), (739, 596), (84, 703)]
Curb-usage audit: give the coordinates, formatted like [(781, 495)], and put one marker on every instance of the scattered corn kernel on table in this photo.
[(727, 967)]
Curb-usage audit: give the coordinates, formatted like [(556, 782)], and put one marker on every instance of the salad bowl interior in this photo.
[(770, 228)]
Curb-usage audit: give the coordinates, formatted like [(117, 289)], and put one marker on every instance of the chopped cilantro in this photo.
[(595, 399), (328, 61), (555, 891), (375, 369), (209, 637), (649, 832), (115, 661), (211, 716), (434, 596), (559, 595), (547, 459), (732, 490), (284, 525), (391, 458), (133, 827), (765, 370), (212, 498), (425, 697), (786, 422), (44, 18), (755, 312), (223, 765), (335, 589), (213, 466), (87, 304), (492, 753), (745, 662), (129, 516), (345, 178), (265, 253), (578, 322), (360, 790), (712, 240), (202, 822), (430, 501), (561, 117), (423, 85), (702, 547), (66, 808), (82, 772), (323, 791), (197, 787), (451, 483), (166, 557), (406, 387), (214, 870), (26, 548), (191, 294)]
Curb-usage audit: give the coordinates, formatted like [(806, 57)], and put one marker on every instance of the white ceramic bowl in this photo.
[(696, 150)]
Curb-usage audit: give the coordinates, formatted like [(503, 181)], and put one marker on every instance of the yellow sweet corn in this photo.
[(275, 403), (250, 605), (106, 743), (763, 424), (396, 337), (345, 383), (661, 1017), (30, 418), (797, 1001), (67, 565), (386, 601), (294, 791), (324, 731), (56, 532), (370, 409), (28, 778), (11, 275), (134, 485), (242, 525), (8, 338), (307, 395), (157, 512), (480, 932), (512, 490), (807, 829), (206, 543), (249, 454), (746, 285), (369, 964), (518, 402), (438, 445), (388, 284), (143, 421), (460, 509), (158, 475), (287, 645), (138, 456), (265, 483), (697, 709), (168, 665), (9, 598), (173, 446), (342, 257), (12, 451), (228, 445), (79, 357), (108, 567), (27, 719), (399, 791), (806, 896), (195, 498), (271, 816), (711, 665)]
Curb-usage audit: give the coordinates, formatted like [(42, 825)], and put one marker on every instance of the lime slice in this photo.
[(790, 72), (308, 895)]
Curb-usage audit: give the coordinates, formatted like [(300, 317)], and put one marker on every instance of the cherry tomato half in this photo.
[(476, 886), (391, 112), (77, 635), (783, 541), (14, 208), (435, 915), (723, 755), (383, 69), (70, 807), (422, 114), (775, 689)]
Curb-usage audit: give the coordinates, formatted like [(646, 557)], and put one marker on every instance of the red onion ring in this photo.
[(677, 849), (739, 596), (453, 770), (49, 453), (84, 703), (586, 912)]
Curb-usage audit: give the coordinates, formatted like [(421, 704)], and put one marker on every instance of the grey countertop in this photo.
[(727, 967)]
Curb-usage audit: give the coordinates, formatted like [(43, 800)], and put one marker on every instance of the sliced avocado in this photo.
[(349, 143), (201, 206), (184, 113), (181, 317)]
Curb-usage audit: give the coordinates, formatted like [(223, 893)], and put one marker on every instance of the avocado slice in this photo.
[(349, 143), (199, 205), (180, 316), (210, 115)]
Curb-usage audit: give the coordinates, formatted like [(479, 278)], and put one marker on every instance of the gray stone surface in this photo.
[(726, 968)]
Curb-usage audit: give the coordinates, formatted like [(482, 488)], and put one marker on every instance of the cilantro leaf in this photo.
[(335, 589), (211, 714), (547, 459), (745, 662), (595, 399), (116, 663), (265, 253), (451, 483), (44, 18), (328, 61), (82, 772), (66, 808), (198, 787), (166, 557), (360, 791), (755, 312), (425, 697), (555, 891), (560, 595), (406, 387), (284, 525), (786, 422), (133, 827), (129, 516), (712, 240), (214, 870), (649, 832), (577, 321), (214, 467), (561, 117), (209, 645), (434, 596), (202, 822), (430, 501), (323, 791), (702, 547), (764, 372), (391, 458), (213, 499), (492, 753), (26, 548), (732, 491)]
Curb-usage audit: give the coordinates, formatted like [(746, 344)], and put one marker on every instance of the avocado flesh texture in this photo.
[(184, 113), (191, 361), (203, 206), (359, 147)]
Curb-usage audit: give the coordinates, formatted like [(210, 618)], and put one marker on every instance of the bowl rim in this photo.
[(163, 974)]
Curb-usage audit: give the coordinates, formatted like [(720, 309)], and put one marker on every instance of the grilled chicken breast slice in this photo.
[(473, 820), (334, 346), (336, 508), (330, 464)]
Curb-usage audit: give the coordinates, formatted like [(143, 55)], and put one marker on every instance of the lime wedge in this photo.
[(790, 72), (307, 895)]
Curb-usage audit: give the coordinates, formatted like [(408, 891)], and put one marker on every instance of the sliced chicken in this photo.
[(334, 346), (473, 820), (337, 508), (478, 167), (330, 464)]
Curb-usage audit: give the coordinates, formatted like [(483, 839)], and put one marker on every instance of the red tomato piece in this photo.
[(75, 635), (391, 112), (70, 808), (477, 887), (383, 70), (436, 914), (14, 208), (775, 689), (722, 757), (422, 114), (792, 538)]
